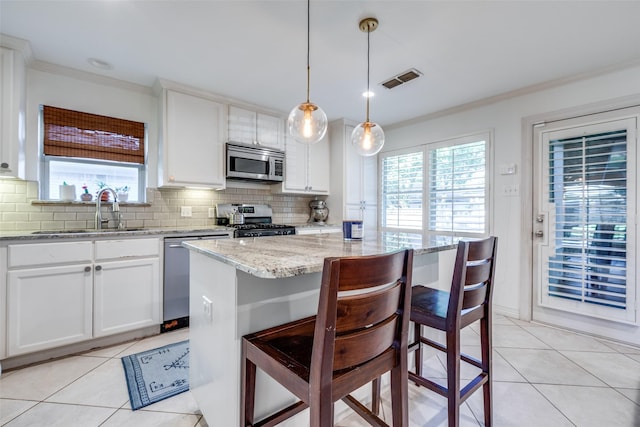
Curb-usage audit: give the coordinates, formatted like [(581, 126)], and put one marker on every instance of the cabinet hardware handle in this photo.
[(98, 267), (175, 246), (87, 269)]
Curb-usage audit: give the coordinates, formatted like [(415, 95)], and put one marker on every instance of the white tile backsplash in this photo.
[(162, 210)]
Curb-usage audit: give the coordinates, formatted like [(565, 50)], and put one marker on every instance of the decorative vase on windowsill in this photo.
[(122, 193), (86, 196)]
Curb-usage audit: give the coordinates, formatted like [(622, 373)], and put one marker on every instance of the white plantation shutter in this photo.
[(458, 189), (402, 188), (588, 189)]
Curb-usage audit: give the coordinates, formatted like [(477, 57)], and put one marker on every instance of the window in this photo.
[(92, 150), (448, 178)]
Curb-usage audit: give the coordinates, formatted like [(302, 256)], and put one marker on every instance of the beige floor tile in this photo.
[(617, 370), (499, 319), (547, 367), (183, 403), (592, 406), (427, 408), (156, 341), (622, 348), (564, 340), (518, 405), (630, 393), (111, 351), (634, 356), (104, 386), (60, 415), (516, 337), (9, 409), (40, 381), (126, 417)]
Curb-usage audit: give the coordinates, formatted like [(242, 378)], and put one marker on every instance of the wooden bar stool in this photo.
[(468, 301), (359, 333)]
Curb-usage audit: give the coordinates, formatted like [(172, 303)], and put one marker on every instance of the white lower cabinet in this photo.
[(126, 296), (61, 293), (49, 307)]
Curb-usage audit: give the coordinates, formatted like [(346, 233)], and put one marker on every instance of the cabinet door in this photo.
[(295, 178), (242, 125), (369, 183), (270, 131), (12, 108), (48, 307), (353, 211), (353, 170), (194, 144), (369, 218), (318, 164), (127, 295)]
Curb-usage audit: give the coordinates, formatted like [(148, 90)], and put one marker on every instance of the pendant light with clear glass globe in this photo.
[(368, 137), (307, 122)]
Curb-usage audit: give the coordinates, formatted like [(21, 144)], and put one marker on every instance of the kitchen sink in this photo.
[(90, 230)]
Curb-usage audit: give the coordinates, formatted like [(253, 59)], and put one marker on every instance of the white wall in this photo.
[(90, 94), (505, 118)]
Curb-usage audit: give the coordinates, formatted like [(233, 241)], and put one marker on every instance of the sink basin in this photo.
[(90, 230)]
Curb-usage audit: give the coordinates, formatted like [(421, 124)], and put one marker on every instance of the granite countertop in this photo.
[(288, 256), (90, 233)]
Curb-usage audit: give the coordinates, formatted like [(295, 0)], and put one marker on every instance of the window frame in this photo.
[(426, 148), (46, 159)]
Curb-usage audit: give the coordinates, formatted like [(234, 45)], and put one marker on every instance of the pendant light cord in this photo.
[(368, 50), (308, 46)]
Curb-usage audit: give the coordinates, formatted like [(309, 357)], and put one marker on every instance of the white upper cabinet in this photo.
[(306, 168), (192, 143), (251, 127), (12, 110), (354, 179)]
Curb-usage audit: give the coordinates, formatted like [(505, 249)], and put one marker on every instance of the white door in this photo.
[(584, 244)]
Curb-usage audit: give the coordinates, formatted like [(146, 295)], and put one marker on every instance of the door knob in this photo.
[(539, 233)]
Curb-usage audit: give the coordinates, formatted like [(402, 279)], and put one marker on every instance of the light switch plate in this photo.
[(207, 308), (212, 212), (185, 211)]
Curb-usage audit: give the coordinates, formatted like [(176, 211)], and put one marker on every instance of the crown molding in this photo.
[(516, 93), (48, 67), (18, 44)]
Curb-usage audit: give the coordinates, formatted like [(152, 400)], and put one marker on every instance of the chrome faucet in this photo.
[(115, 208)]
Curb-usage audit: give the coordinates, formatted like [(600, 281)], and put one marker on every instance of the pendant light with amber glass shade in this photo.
[(368, 137), (307, 122)]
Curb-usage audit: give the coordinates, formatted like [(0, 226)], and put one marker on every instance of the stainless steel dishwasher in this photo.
[(176, 280)]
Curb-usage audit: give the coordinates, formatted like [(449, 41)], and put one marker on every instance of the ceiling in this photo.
[(255, 51)]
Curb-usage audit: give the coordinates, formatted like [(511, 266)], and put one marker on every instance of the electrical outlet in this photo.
[(185, 211), (207, 308), (212, 212), (511, 190)]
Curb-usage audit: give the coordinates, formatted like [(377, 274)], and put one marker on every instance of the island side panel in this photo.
[(241, 303), (214, 355), (263, 303)]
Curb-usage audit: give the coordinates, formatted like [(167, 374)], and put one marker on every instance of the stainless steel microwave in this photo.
[(254, 163)]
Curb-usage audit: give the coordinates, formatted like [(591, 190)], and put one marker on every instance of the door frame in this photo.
[(528, 124)]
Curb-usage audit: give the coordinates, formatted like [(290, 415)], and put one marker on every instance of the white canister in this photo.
[(67, 192)]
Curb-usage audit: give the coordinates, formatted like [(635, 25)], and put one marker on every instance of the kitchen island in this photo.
[(244, 285)]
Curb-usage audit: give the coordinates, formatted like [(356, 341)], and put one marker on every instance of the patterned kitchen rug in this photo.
[(157, 374)]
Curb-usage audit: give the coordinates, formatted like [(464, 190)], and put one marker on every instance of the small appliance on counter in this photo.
[(257, 220), (319, 212)]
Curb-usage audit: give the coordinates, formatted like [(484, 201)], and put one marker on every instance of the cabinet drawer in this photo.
[(129, 248), (40, 254)]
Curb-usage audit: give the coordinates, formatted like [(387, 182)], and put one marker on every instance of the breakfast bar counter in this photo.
[(243, 285)]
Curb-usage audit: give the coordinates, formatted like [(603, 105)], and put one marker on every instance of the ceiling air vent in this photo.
[(401, 78)]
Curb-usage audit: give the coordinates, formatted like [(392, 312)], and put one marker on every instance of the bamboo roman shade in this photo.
[(75, 134)]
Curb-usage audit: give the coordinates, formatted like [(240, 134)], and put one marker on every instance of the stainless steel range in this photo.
[(257, 220)]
